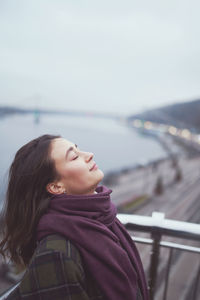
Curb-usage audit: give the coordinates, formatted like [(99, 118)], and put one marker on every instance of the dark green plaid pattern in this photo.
[(56, 272)]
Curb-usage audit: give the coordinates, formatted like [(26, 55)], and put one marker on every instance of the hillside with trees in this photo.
[(185, 114)]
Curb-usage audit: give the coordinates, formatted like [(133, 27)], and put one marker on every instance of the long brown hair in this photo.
[(26, 198)]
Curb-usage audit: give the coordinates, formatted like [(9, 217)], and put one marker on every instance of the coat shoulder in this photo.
[(56, 271), (58, 243)]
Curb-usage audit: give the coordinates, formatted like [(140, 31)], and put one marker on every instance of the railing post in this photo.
[(156, 236)]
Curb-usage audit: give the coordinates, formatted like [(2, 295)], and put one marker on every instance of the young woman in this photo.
[(62, 228)]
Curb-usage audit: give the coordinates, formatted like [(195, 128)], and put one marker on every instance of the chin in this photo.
[(97, 177), (101, 174)]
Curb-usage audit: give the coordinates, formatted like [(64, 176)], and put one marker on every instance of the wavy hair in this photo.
[(26, 199)]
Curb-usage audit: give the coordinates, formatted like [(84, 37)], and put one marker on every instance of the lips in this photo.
[(93, 167)]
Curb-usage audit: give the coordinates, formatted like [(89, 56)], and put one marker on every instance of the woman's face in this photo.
[(77, 170)]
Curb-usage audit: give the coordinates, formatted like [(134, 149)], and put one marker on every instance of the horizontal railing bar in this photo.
[(180, 247), (167, 244), (142, 240), (157, 223), (8, 292)]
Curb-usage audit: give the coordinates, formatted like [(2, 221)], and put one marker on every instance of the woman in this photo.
[(62, 227)]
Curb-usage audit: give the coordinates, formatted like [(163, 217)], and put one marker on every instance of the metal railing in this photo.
[(8, 292), (157, 226)]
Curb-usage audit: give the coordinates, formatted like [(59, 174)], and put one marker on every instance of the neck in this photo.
[(88, 192)]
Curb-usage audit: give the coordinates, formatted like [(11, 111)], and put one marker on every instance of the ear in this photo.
[(55, 188)]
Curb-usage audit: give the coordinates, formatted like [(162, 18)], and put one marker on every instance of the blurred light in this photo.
[(172, 130), (148, 125), (196, 138), (185, 133)]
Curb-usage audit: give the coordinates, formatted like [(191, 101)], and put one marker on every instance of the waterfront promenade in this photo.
[(179, 197), (179, 200)]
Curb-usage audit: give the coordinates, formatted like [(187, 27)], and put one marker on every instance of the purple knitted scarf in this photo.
[(107, 250)]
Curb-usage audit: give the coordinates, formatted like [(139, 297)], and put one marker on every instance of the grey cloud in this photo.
[(107, 55)]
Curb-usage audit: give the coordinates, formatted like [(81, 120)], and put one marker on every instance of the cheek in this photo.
[(78, 173)]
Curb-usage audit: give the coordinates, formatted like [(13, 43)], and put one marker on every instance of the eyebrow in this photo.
[(70, 149)]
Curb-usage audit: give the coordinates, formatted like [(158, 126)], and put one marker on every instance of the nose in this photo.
[(88, 156)]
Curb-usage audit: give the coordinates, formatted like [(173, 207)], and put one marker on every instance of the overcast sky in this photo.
[(108, 55)]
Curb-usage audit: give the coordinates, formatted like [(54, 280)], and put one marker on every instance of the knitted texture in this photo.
[(107, 250)]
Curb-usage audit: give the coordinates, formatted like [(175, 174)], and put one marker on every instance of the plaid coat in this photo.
[(56, 272)]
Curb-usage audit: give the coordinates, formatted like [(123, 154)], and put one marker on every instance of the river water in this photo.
[(114, 145)]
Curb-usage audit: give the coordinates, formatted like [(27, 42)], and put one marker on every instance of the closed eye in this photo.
[(75, 157)]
